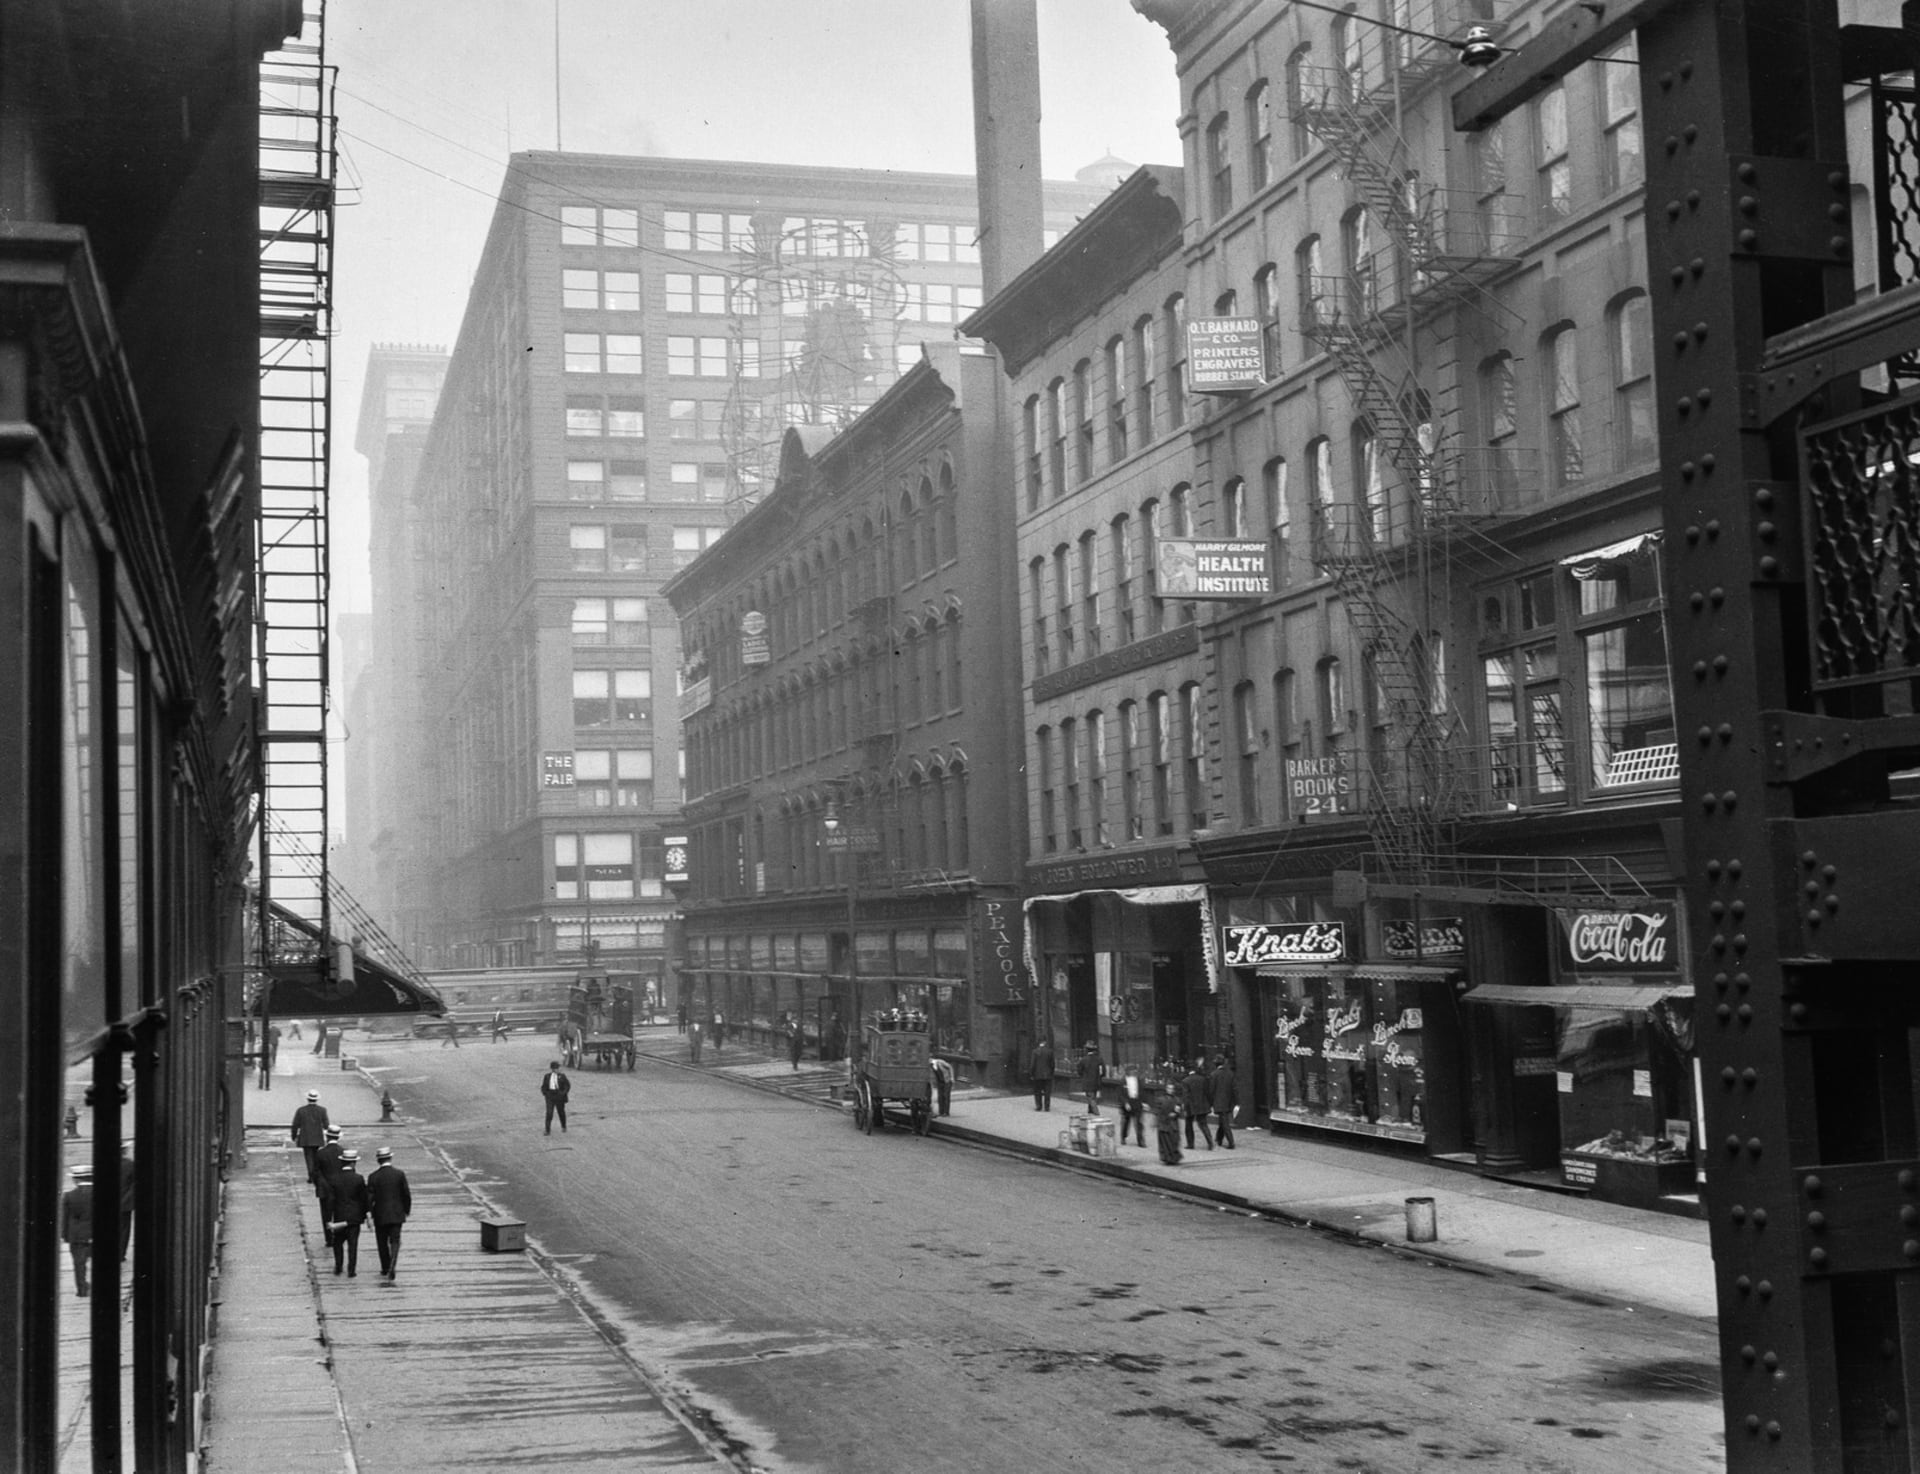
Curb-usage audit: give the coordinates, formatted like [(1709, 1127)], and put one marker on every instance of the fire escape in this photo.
[(297, 164), (1390, 320)]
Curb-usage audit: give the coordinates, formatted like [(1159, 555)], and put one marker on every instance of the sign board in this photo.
[(676, 871), (1284, 941), (1642, 940), (1225, 355), (755, 648), (859, 841), (556, 770), (1323, 785), (1435, 936), (1204, 568), (1000, 952)]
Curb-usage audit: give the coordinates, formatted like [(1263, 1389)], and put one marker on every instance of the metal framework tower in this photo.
[(298, 147)]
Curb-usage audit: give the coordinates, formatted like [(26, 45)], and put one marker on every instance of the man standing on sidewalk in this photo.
[(349, 1193), (309, 1131), (392, 1202), (76, 1225), (1196, 1094), (1226, 1099), (1040, 1072), (1133, 1105), (556, 1087), (1088, 1070)]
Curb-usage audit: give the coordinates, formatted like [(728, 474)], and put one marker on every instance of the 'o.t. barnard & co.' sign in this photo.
[(1284, 941), (1642, 940)]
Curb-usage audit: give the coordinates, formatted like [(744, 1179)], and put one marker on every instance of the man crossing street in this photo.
[(556, 1087)]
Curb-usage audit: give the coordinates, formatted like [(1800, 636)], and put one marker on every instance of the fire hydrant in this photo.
[(73, 1121), (386, 1106)]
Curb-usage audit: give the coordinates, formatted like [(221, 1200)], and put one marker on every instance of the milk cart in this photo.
[(893, 1067)]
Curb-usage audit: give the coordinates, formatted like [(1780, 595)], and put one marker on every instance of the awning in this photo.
[(301, 990), (1405, 972), (1585, 566), (1633, 998)]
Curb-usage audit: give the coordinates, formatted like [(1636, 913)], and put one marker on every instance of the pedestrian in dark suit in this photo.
[(1166, 1120), (326, 1162), (128, 1180), (796, 1041), (309, 1131), (1224, 1089), (556, 1087), (391, 1202), (1196, 1095), (942, 1072), (1040, 1072), (1133, 1105), (350, 1204), (76, 1225), (1087, 1070), (499, 1025)]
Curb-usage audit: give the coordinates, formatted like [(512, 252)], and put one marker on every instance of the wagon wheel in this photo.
[(633, 1056), (869, 1107), (922, 1118)]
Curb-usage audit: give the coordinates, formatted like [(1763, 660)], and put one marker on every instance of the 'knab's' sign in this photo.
[(1224, 355), (1642, 940), (1199, 568), (1284, 941)]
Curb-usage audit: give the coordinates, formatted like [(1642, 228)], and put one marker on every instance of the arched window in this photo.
[(1286, 723), (949, 515), (1116, 400), (1260, 165), (1063, 604), (1120, 553), (929, 526), (1358, 252), (1090, 621), (1173, 318), (1331, 699), (1567, 448), (1620, 114), (1246, 728), (1500, 414), (1193, 771), (904, 569), (1030, 434), (1070, 783), (1266, 305), (1273, 477), (1132, 819), (1310, 273), (1299, 140), (1083, 420), (1370, 484), (1349, 49), (1057, 430), (1233, 508), (1220, 166), (1552, 161), (1097, 779), (1143, 376), (1150, 565), (1043, 780), (1037, 613), (1160, 760), (1635, 437)]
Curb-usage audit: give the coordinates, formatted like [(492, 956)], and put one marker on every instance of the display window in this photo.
[(1395, 1053), (1626, 1089), (1348, 1051)]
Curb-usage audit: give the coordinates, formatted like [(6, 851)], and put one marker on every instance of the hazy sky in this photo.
[(434, 95)]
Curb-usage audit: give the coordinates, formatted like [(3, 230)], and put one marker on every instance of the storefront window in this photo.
[(949, 1013), (1395, 1053), (1626, 1094)]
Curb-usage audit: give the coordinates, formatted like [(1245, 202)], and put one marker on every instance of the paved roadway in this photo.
[(844, 1304)]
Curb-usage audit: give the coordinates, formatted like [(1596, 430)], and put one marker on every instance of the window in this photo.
[(1349, 50), (1357, 246), (1246, 726), (1035, 448), (620, 291), (695, 419), (1097, 778), (1037, 607), (1260, 169), (1563, 414), (620, 228), (1500, 408), (1487, 152), (603, 861), (589, 622), (580, 352), (1132, 820), (698, 292), (706, 230), (1143, 372), (579, 288), (684, 479), (706, 358), (1233, 508), (1174, 317), (1150, 565), (1620, 114), (1117, 400), (1160, 760), (1634, 431), (1280, 518), (626, 418), (585, 416), (1070, 782), (1090, 592), (627, 548), (1193, 776), (1287, 724), (579, 225), (1121, 538), (586, 481), (1266, 305), (1083, 420), (1220, 165), (1623, 650), (1043, 773), (589, 545), (1525, 705), (1063, 604), (1321, 495), (1331, 698), (1299, 140), (1313, 287), (1371, 484), (1057, 421), (623, 354), (1553, 172), (619, 778), (689, 542)]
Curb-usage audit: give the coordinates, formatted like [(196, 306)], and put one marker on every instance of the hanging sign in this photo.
[(1284, 941), (1642, 940), (1224, 355), (755, 648), (1435, 936), (1203, 568)]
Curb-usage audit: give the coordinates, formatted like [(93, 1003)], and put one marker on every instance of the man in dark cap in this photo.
[(348, 1190), (556, 1087), (309, 1132), (76, 1225), (1087, 1067), (392, 1201), (1040, 1072)]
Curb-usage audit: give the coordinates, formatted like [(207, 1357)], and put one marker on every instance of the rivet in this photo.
[(1797, 1012), (1831, 872), (1733, 1143), (1716, 909), (1814, 918), (1686, 71), (1771, 1360), (1819, 1258), (1809, 859), (1690, 132), (1770, 566), (1720, 664), (1812, 1186), (1764, 1289), (1905, 1179), (1812, 888), (1748, 173), (1893, 1417), (1727, 801), (1911, 1248), (1737, 1213), (1696, 600), (1753, 1423), (1910, 1215), (1743, 1284), (1773, 1430), (1751, 1076), (1836, 212), (1749, 205), (1678, 275), (1707, 805), (1718, 595), (1742, 981), (1713, 866), (1837, 179), (1753, 1149), (1735, 868), (1724, 1012), (1727, 1077), (1749, 238), (1684, 405), (1705, 396), (1673, 209), (1692, 534), (1718, 942), (1745, 1012), (1833, 905), (1763, 498), (1816, 1221), (1747, 1354), (1698, 266), (1713, 528), (1707, 463), (1760, 1216), (1839, 244), (1679, 340), (1700, 669), (1673, 144), (1768, 531), (1726, 731)]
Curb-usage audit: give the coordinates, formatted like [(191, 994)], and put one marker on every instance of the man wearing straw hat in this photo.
[(349, 1197), (309, 1132), (392, 1201), (76, 1224)]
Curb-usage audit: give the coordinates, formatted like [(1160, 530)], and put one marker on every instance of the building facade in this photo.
[(849, 712), (641, 335)]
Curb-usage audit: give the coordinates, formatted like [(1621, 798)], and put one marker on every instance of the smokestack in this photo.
[(1006, 138)]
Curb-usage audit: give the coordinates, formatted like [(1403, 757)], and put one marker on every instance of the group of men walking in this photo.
[(349, 1201), (1201, 1094)]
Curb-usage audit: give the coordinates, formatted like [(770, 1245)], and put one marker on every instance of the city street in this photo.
[(845, 1303)]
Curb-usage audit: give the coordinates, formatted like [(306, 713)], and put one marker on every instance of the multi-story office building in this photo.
[(640, 335), (851, 727)]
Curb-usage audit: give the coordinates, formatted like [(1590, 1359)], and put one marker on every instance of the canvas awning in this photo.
[(1618, 997), (303, 989)]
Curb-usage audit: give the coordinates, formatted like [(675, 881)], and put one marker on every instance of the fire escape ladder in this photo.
[(296, 218)]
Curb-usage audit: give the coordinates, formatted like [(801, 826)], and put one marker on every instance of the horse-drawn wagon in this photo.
[(892, 1066), (599, 1022)]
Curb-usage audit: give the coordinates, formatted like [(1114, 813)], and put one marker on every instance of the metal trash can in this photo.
[(1423, 1225)]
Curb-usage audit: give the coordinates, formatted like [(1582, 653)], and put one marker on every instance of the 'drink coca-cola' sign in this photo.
[(1284, 941), (1645, 939)]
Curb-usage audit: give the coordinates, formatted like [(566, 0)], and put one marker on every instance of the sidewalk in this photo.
[(1573, 1244), (468, 1360)]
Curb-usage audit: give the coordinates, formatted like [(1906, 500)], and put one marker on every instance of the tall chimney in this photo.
[(1006, 138)]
